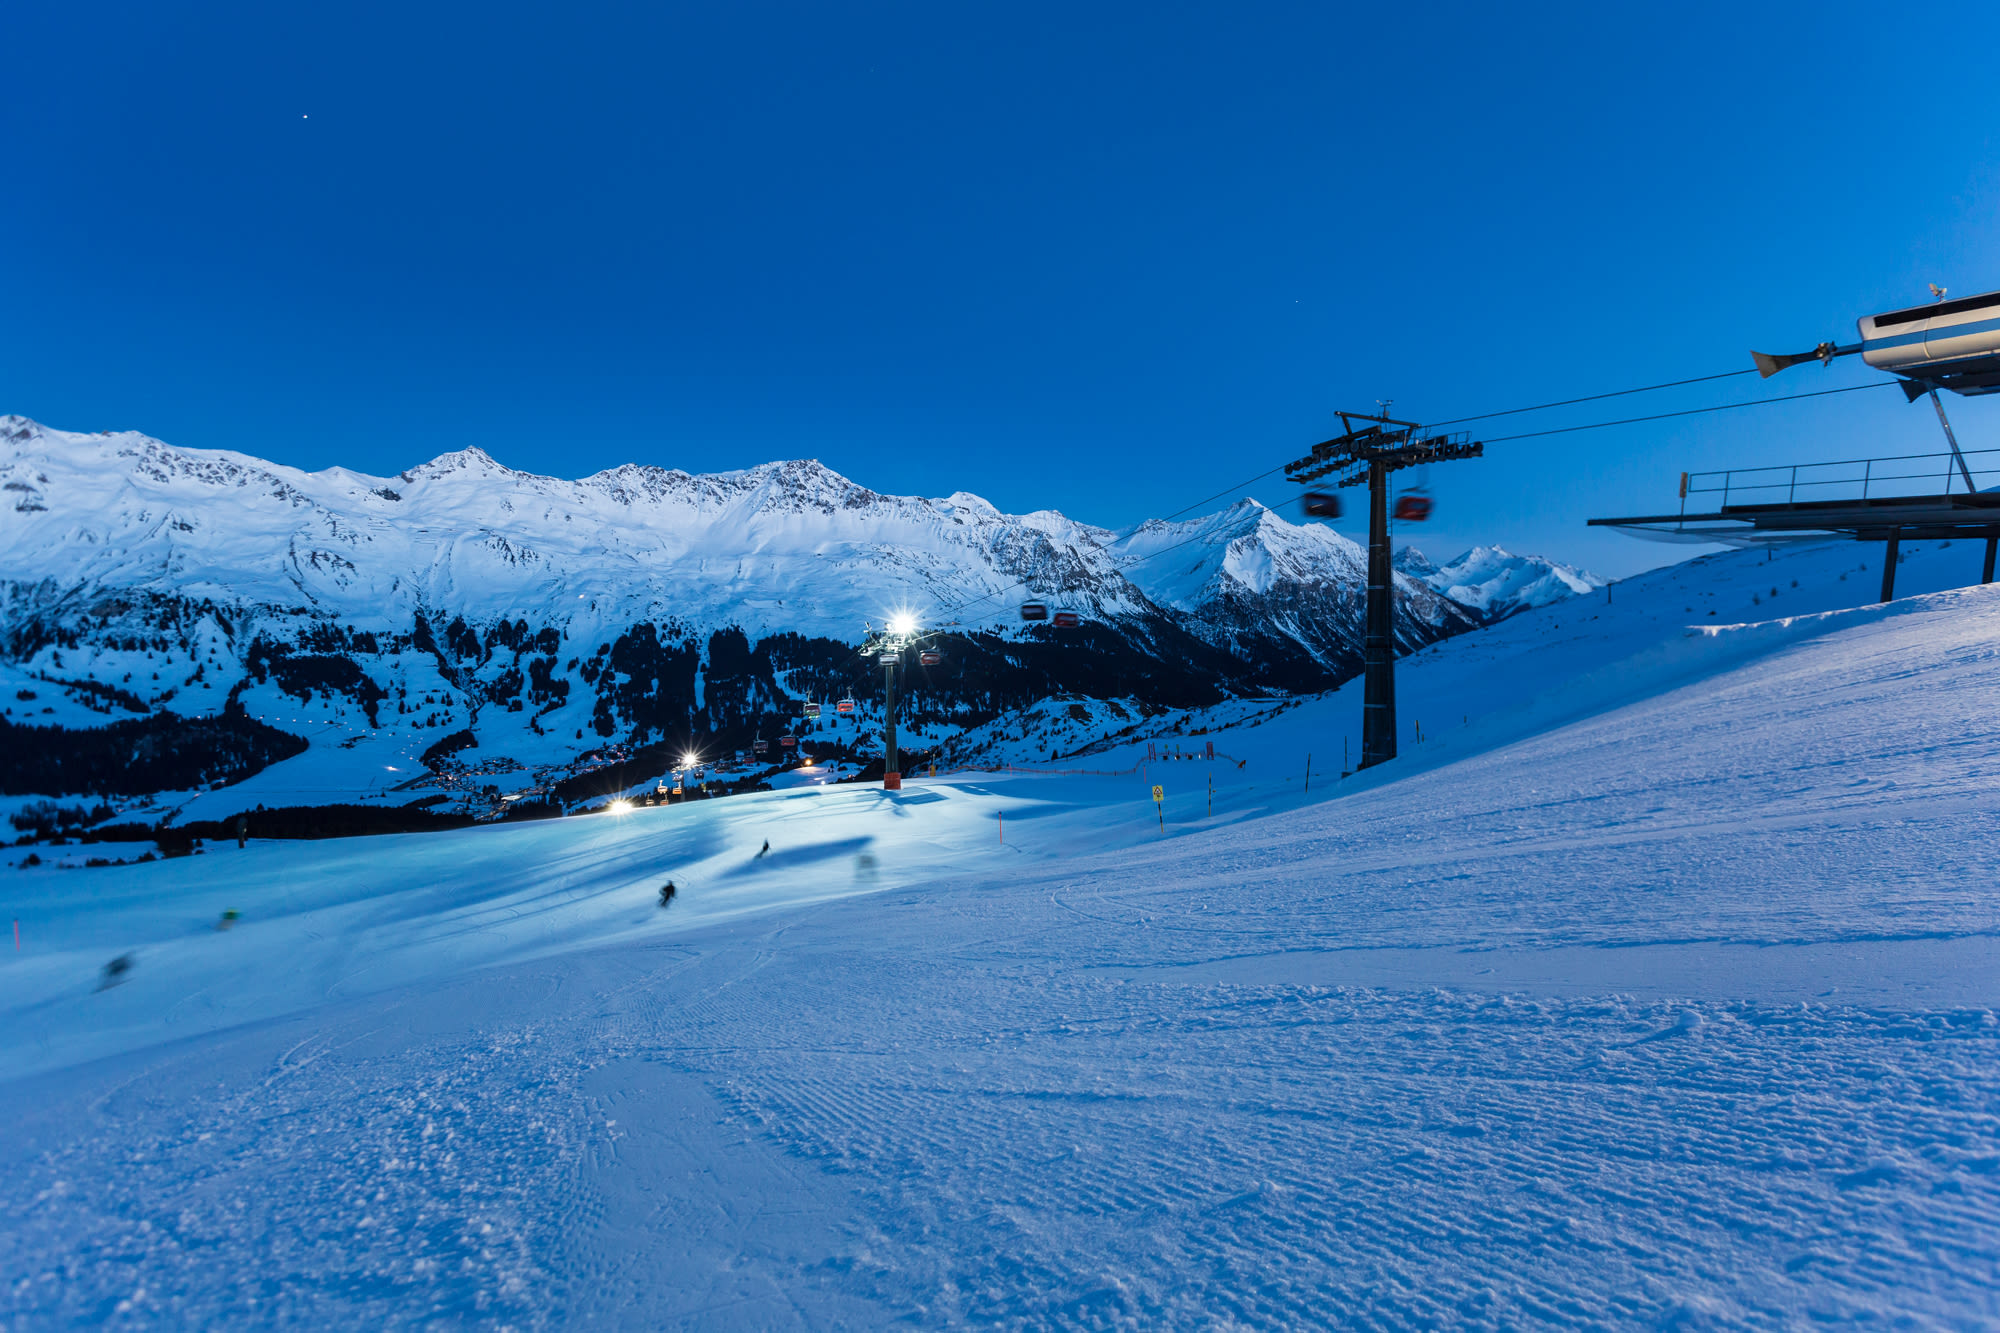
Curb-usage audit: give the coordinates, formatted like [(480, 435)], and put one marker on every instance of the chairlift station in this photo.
[(1952, 345)]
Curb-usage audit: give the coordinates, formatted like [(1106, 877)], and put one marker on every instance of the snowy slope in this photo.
[(1661, 997), (1444, 689)]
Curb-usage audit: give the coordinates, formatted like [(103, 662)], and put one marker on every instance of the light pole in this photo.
[(892, 777), (889, 647)]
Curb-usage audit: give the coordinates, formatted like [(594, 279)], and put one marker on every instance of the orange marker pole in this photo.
[(1002, 814)]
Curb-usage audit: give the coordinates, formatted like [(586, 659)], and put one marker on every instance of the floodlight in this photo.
[(620, 807), (902, 623)]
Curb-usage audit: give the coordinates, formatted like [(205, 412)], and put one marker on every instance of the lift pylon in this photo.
[(1368, 453)]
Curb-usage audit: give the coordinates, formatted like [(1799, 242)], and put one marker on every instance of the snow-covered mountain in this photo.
[(1497, 583), (785, 547), (199, 592)]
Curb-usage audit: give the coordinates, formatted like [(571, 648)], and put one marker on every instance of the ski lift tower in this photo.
[(1371, 448)]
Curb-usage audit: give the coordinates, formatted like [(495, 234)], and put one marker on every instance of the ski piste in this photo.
[(1657, 978)]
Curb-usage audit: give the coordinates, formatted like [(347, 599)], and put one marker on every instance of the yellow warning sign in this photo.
[(1159, 793)]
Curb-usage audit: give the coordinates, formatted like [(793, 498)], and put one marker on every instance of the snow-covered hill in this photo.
[(173, 597)]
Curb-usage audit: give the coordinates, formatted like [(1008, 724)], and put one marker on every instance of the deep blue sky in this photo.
[(1102, 259)]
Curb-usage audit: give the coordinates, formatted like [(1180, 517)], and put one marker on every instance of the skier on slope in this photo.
[(666, 893), (115, 970)]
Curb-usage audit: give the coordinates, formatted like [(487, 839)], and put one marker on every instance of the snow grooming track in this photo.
[(1677, 1009)]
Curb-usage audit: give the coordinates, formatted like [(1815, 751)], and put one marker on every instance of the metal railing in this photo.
[(1848, 479)]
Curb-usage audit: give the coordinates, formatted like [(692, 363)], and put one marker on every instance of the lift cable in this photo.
[(1229, 490), (1594, 397), (1694, 411), (1123, 565)]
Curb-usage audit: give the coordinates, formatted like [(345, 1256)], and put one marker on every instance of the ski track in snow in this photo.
[(1677, 1014)]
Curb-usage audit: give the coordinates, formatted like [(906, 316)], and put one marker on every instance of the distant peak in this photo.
[(469, 459), (799, 470), (966, 500), (18, 428), (809, 481), (1234, 520), (1413, 562)]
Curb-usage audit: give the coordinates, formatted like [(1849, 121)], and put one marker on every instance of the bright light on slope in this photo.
[(621, 807)]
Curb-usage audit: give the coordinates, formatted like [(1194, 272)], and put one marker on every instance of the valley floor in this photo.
[(1667, 998)]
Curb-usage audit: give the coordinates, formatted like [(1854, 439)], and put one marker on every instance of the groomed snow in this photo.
[(1662, 995)]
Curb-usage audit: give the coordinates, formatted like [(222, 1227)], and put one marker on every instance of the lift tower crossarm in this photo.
[(1369, 453)]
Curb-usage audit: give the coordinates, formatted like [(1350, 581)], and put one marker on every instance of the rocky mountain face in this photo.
[(217, 613)]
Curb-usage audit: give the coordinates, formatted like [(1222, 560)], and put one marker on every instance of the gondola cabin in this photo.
[(890, 657), (1954, 342), (1321, 504), (930, 657), (1412, 507), (760, 746), (812, 710), (1034, 611), (845, 706), (787, 742), (1067, 620)]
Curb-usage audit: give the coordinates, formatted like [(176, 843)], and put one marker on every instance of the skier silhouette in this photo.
[(666, 893), (115, 970), (765, 848)]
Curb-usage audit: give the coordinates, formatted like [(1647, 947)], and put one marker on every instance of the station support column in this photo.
[(1889, 558)]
